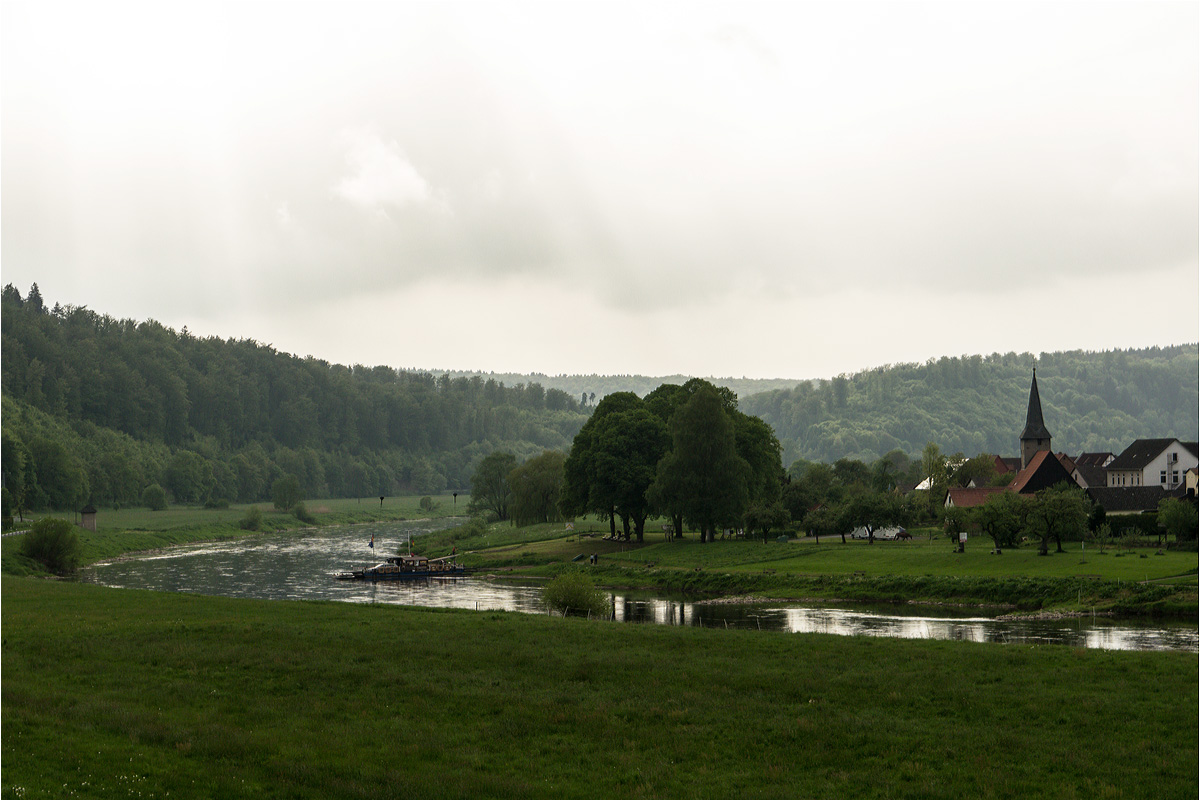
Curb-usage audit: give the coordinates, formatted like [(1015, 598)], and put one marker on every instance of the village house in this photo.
[(1152, 462), (1136, 481)]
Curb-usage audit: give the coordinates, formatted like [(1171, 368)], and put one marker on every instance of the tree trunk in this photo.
[(612, 524), (677, 521)]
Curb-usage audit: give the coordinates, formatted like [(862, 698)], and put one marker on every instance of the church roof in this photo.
[(1035, 428), (1044, 470)]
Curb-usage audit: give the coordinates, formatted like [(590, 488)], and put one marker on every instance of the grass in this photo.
[(1140, 581), (126, 693)]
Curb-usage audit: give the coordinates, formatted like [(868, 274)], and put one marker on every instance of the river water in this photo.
[(301, 566)]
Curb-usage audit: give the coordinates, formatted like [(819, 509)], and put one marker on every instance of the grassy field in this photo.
[(117, 693)]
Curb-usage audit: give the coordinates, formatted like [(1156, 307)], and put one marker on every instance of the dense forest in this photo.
[(594, 387), (976, 404), (128, 404), (96, 409)]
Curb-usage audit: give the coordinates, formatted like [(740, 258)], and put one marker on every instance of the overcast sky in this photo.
[(727, 189)]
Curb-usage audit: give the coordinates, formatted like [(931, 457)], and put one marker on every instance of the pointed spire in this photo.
[(1035, 427)]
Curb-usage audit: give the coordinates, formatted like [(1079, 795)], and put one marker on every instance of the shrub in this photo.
[(575, 592), (253, 519), (154, 497), (301, 513), (427, 504), (216, 503), (54, 543)]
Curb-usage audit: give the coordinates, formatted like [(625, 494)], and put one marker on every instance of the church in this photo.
[(1039, 467)]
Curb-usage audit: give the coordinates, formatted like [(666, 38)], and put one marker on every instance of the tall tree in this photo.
[(536, 489), (757, 444), (1002, 517), (582, 493), (1177, 517), (703, 475), (490, 490), (1059, 512), (628, 448)]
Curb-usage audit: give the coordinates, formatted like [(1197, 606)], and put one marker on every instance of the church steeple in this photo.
[(1035, 437)]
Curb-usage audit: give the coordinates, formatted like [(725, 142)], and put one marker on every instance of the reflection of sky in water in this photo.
[(302, 565)]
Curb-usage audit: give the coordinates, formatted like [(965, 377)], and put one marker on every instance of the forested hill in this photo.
[(1090, 401), (595, 387), (147, 401)]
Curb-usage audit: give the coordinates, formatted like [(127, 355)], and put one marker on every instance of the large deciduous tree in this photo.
[(536, 489), (1002, 517), (1177, 517), (584, 490), (703, 476), (490, 490), (872, 511), (1060, 511), (628, 448), (765, 517)]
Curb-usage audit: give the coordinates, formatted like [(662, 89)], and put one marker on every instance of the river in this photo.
[(301, 566)]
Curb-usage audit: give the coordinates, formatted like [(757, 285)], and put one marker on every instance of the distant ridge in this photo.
[(1092, 401), (603, 385)]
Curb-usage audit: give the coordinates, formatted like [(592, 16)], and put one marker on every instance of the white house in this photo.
[(1153, 463)]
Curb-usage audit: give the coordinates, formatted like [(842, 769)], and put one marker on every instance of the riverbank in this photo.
[(139, 530), (182, 695), (1114, 581)]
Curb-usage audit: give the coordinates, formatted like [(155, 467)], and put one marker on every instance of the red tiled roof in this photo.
[(970, 496)]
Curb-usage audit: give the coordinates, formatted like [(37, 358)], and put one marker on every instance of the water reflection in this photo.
[(302, 565)]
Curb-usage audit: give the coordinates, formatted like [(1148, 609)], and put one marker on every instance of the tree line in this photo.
[(98, 409), (684, 452), (688, 455)]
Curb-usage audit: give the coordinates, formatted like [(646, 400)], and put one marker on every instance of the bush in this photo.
[(574, 592), (427, 504), (253, 519), (54, 543), (301, 513), (154, 497), (216, 503)]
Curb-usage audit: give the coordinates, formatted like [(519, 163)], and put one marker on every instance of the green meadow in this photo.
[(118, 693), (121, 693)]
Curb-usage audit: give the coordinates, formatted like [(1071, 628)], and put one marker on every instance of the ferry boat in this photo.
[(408, 566)]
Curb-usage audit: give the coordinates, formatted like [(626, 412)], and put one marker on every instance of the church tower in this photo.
[(1035, 437)]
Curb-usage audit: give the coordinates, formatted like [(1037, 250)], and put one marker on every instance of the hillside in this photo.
[(125, 404), (578, 385), (131, 403), (976, 404)]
